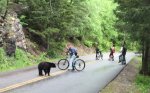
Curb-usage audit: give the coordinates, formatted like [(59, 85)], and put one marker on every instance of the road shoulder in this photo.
[(124, 82)]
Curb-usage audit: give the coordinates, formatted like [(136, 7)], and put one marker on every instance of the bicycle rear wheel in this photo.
[(79, 65), (98, 56), (63, 64)]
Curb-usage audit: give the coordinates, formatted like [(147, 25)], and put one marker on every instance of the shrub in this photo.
[(88, 43)]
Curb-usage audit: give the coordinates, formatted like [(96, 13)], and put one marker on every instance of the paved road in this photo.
[(96, 76), (24, 75)]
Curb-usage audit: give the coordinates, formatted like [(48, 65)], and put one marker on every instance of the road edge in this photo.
[(116, 75), (25, 69), (120, 78)]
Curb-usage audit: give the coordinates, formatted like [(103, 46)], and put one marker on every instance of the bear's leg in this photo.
[(40, 72), (45, 71), (49, 71)]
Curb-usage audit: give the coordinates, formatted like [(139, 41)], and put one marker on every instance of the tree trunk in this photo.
[(148, 57), (145, 59), (148, 60), (48, 40)]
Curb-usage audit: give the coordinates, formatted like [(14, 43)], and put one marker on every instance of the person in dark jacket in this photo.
[(98, 53), (123, 54)]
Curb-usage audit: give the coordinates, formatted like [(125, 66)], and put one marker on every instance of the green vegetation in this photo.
[(53, 23), (134, 19), (3, 5), (87, 22), (142, 82), (22, 59)]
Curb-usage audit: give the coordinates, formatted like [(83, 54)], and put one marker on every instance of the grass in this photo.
[(142, 82), (139, 84), (22, 59)]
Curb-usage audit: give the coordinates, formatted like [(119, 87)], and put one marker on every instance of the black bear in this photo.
[(46, 66)]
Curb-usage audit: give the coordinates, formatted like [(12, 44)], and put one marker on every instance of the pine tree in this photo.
[(134, 17)]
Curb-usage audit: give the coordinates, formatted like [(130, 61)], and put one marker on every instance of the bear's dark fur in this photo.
[(46, 66)]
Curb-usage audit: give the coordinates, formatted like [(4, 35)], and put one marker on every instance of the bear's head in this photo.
[(53, 65)]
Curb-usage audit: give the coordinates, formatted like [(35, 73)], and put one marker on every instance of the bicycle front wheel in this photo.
[(79, 65), (63, 64)]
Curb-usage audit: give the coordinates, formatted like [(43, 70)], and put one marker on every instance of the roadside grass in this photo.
[(142, 82), (23, 59), (129, 80)]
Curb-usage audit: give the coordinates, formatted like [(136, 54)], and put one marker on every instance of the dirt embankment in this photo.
[(123, 83), (83, 50)]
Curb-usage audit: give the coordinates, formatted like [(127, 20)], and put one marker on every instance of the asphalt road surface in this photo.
[(95, 76)]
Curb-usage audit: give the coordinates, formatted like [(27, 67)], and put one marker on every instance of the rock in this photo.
[(11, 33), (14, 26), (1, 31), (10, 47)]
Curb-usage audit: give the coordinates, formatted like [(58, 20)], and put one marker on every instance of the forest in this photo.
[(53, 23), (44, 27), (84, 21)]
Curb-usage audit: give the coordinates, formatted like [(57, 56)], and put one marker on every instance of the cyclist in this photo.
[(112, 51), (123, 53), (97, 53), (73, 54)]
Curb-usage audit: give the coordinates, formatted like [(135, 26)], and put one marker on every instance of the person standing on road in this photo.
[(123, 54), (73, 54)]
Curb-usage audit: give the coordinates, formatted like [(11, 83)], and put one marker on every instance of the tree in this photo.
[(54, 22), (134, 17)]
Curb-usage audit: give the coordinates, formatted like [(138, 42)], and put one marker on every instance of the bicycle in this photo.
[(78, 64), (111, 58), (99, 55), (123, 62)]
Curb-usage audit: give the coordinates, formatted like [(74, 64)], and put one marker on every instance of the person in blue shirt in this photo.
[(73, 54)]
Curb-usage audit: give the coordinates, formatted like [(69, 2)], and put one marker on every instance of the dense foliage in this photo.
[(135, 20), (3, 7), (142, 83), (88, 22), (53, 23), (22, 59)]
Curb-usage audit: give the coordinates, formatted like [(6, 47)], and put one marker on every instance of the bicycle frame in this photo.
[(65, 65)]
